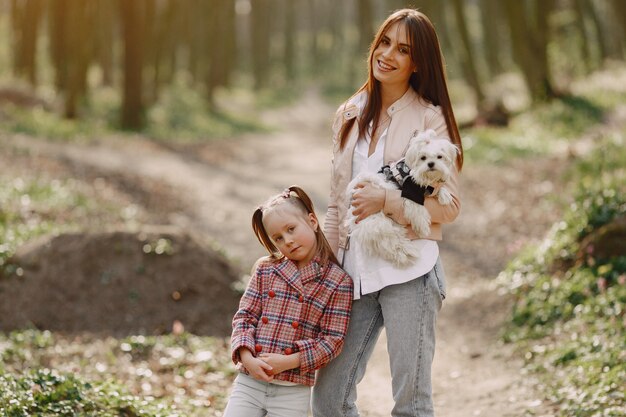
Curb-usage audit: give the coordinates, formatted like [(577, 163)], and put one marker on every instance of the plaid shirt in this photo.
[(288, 310)]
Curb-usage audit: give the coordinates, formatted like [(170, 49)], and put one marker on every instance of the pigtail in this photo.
[(323, 247), (261, 234)]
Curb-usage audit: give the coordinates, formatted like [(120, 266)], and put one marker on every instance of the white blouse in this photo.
[(369, 273)]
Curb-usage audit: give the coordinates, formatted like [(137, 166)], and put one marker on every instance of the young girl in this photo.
[(405, 94), (293, 316)]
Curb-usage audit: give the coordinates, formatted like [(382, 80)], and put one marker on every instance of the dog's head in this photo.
[(430, 160)]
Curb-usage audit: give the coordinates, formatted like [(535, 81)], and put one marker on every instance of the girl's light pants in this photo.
[(253, 398), (408, 312)]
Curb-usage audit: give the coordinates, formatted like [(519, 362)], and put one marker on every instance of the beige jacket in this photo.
[(410, 115)]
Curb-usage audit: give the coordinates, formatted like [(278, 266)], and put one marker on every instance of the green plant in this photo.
[(569, 311)]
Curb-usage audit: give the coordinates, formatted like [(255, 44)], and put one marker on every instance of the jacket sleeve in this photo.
[(247, 316), (393, 206), (315, 353), (331, 222)]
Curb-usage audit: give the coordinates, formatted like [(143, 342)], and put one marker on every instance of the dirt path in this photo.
[(220, 183)]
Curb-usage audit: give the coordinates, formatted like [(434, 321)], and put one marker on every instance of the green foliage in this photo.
[(45, 392), (569, 313), (39, 122), (34, 207), (550, 127), (182, 115), (112, 377), (540, 131)]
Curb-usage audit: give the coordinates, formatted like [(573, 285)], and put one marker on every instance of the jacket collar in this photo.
[(355, 106), (407, 98), (298, 278)]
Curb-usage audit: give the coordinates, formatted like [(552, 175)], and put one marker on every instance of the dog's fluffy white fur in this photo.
[(431, 161)]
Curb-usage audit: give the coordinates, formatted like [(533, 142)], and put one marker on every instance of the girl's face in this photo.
[(292, 233), (391, 60)]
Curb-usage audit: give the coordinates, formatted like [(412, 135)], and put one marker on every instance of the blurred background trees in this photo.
[(140, 47)]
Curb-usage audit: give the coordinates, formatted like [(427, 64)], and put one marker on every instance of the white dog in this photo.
[(431, 162)]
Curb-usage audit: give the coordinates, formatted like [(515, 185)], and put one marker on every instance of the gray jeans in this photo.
[(253, 398), (408, 312)]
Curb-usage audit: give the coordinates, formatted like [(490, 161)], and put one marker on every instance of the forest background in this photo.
[(123, 124)]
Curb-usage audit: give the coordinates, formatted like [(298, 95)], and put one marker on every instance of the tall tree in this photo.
[(365, 17), (529, 38), (59, 42), (289, 39), (26, 17), (222, 47), (466, 53), (132, 32), (581, 26), (79, 38), (261, 18), (492, 35), (105, 39)]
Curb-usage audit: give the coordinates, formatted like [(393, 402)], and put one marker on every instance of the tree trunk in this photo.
[(492, 36), (78, 38), (221, 48), (529, 43), (585, 50), (132, 30), (105, 40), (25, 17), (589, 10), (365, 21), (290, 35), (468, 62), (437, 13), (261, 16), (58, 42)]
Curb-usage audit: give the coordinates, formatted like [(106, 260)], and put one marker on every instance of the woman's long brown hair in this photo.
[(304, 205), (429, 81)]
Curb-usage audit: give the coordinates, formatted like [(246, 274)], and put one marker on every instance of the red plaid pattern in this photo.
[(304, 310)]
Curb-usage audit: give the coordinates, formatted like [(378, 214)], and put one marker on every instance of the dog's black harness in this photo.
[(399, 173)]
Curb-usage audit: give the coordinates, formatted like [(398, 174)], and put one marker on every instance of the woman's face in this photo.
[(391, 60)]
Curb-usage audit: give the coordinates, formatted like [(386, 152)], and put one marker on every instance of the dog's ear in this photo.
[(426, 134), (451, 150), (411, 157)]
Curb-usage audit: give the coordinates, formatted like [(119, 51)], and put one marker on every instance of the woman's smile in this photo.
[(384, 66)]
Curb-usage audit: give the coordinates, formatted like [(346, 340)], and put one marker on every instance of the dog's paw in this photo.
[(444, 197), (421, 226), (419, 218)]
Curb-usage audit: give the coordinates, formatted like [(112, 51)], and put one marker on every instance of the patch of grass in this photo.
[(31, 207), (184, 375), (182, 115), (540, 131), (569, 314), (44, 392), (39, 122)]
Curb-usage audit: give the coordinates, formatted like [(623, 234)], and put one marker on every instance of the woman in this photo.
[(405, 94)]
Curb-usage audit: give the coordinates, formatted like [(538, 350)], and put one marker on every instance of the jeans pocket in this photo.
[(440, 277)]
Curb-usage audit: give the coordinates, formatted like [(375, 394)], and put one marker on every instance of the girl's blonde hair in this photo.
[(299, 200)]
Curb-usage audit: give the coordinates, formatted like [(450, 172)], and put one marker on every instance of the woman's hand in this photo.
[(367, 200)]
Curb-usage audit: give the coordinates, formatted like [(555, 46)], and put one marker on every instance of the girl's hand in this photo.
[(280, 363), (367, 200), (257, 368)]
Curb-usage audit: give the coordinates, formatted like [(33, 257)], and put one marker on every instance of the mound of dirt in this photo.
[(120, 283)]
